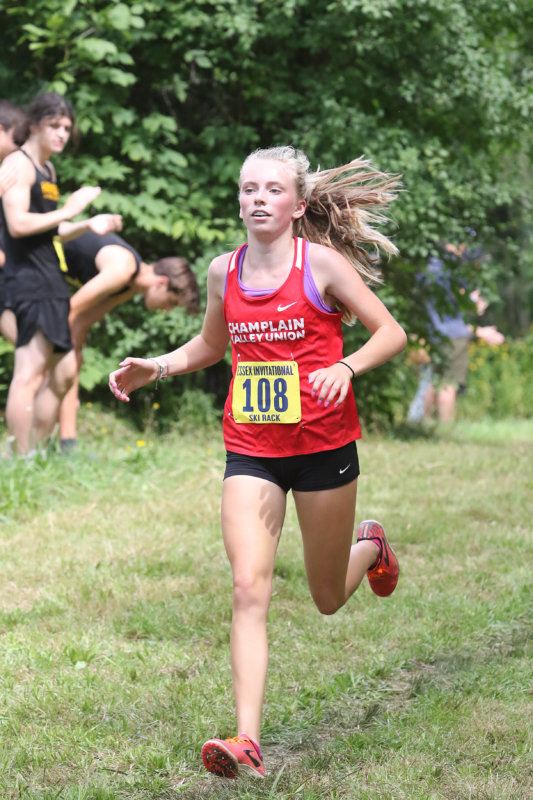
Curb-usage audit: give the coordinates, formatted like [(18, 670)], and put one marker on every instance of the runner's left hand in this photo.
[(330, 383)]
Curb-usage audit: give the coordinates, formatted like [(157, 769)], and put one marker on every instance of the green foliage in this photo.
[(500, 381), (133, 331), (170, 96), (381, 395)]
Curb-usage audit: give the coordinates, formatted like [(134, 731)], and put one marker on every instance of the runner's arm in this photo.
[(202, 351), (100, 224), (340, 281), (16, 201)]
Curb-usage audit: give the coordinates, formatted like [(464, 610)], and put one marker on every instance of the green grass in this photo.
[(115, 613)]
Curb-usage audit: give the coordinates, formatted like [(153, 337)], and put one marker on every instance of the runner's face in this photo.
[(53, 133), (267, 197)]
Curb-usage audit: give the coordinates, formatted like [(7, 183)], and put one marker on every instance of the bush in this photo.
[(500, 380)]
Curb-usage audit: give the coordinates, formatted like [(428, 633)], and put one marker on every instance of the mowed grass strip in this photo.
[(115, 607)]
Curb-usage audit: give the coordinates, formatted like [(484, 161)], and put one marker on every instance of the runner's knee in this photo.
[(251, 590), (327, 601)]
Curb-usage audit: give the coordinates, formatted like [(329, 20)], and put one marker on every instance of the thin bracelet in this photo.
[(166, 367), (346, 365), (160, 376)]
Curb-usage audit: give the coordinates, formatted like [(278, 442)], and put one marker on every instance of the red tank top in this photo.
[(276, 341)]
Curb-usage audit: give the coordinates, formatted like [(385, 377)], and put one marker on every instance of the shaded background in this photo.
[(171, 96)]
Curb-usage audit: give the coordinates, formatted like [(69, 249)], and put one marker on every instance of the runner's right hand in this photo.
[(133, 373)]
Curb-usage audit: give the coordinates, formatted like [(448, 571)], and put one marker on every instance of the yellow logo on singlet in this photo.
[(50, 191)]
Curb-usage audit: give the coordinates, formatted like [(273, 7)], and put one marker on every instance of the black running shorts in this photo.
[(313, 472), (48, 316)]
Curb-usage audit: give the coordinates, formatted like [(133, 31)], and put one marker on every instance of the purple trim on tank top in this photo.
[(311, 292)]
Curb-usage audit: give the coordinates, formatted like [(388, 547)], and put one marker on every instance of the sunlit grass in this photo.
[(489, 430), (115, 613)]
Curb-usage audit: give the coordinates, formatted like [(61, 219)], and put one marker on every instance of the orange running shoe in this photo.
[(227, 757), (383, 575)]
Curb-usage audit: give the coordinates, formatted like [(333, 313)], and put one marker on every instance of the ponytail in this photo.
[(341, 214), (341, 209)]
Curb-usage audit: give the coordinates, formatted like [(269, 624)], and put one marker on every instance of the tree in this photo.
[(172, 95)]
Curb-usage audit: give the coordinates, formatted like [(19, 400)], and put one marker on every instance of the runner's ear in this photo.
[(300, 209)]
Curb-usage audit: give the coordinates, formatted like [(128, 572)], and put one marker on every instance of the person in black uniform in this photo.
[(108, 272), (12, 135), (34, 230)]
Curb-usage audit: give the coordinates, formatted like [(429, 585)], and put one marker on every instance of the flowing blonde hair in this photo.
[(340, 210)]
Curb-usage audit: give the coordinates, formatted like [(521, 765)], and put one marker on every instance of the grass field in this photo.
[(115, 613)]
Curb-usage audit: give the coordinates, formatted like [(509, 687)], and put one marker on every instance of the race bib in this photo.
[(267, 391)]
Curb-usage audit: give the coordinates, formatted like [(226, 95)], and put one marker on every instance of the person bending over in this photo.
[(34, 230), (108, 272)]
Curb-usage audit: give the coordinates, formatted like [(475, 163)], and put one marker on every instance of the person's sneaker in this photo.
[(68, 446), (227, 757), (383, 575)]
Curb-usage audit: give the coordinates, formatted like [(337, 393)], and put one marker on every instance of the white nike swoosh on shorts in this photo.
[(345, 468)]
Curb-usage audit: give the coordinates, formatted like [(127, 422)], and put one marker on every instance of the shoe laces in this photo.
[(240, 739)]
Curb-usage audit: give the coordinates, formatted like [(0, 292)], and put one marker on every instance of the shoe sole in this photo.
[(219, 761), (222, 762)]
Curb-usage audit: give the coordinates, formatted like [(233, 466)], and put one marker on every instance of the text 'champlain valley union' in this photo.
[(267, 330)]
